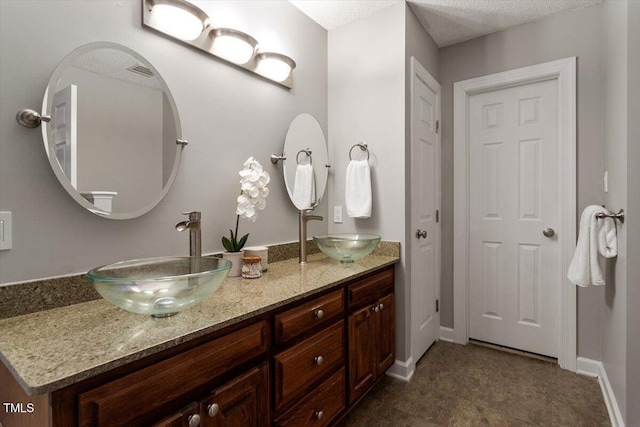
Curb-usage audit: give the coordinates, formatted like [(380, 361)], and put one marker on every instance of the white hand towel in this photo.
[(594, 236), (357, 194), (304, 187)]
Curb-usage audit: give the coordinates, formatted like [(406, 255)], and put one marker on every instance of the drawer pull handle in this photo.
[(194, 420), (318, 360), (319, 314), (318, 415), (213, 410)]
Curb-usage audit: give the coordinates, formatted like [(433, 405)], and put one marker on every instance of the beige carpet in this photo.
[(471, 385)]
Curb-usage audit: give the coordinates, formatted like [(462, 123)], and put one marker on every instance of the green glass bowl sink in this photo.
[(159, 287), (347, 247)]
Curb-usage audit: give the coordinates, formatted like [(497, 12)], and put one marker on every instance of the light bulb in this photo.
[(233, 45), (275, 66), (177, 21)]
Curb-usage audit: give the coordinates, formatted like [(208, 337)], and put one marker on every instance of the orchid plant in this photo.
[(253, 197)]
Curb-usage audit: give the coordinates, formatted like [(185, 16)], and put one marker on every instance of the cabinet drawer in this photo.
[(370, 289), (307, 362), (301, 319), (320, 406), (145, 391)]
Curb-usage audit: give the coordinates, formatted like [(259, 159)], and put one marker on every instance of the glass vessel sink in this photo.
[(347, 247), (159, 287)]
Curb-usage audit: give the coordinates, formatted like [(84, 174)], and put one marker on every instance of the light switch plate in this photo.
[(606, 181), (337, 214), (5, 230)]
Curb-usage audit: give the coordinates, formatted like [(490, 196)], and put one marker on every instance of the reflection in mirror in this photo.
[(305, 166), (113, 131)]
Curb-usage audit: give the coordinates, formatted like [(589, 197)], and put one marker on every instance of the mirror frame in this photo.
[(47, 106)]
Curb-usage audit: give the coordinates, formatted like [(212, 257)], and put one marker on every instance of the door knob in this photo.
[(422, 234), (548, 232)]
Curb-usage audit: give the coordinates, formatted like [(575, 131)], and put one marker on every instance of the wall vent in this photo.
[(142, 70)]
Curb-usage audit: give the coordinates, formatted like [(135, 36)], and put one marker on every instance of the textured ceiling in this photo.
[(447, 21)]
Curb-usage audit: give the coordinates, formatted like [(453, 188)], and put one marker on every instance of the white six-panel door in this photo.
[(425, 201), (514, 189)]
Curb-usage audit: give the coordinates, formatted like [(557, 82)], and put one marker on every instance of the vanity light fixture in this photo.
[(178, 18), (233, 45), (184, 21), (274, 66)]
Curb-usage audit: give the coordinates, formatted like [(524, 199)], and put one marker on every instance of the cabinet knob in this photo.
[(381, 306), (213, 410), (194, 420), (318, 314), (318, 360), (318, 415), (376, 308)]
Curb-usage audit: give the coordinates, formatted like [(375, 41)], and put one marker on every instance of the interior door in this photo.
[(514, 266), (65, 131), (425, 201)]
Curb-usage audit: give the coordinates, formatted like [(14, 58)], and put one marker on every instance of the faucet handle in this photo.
[(193, 215)]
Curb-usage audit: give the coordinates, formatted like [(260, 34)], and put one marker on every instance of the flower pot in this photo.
[(236, 261)]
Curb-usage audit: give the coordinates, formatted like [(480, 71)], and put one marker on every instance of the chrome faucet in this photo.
[(302, 232), (195, 236)]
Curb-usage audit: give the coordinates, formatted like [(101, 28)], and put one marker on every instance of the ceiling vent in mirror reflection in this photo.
[(106, 112), (182, 20)]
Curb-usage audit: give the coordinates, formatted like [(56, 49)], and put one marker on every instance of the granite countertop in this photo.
[(51, 349)]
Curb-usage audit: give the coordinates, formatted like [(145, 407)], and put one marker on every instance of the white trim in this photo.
[(417, 70), (446, 334), (595, 368), (588, 367), (563, 70), (402, 371)]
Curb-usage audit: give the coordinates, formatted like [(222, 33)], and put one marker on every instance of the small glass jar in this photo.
[(251, 267)]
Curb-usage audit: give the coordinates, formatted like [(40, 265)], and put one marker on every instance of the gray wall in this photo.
[(227, 115), (614, 101), (577, 33), (633, 214), (366, 103)]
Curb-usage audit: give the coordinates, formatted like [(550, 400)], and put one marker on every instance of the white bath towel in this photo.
[(594, 236), (304, 187), (357, 193)]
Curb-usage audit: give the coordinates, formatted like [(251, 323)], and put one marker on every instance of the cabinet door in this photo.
[(243, 402), (362, 352), (385, 325), (186, 417)]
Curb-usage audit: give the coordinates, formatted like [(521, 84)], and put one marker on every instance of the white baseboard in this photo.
[(402, 371), (446, 334), (595, 368)]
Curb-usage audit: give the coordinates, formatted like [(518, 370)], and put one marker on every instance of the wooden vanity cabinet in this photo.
[(145, 395), (327, 351), (243, 401), (371, 331)]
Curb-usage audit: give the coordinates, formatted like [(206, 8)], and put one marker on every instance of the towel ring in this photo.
[(619, 216), (307, 152), (363, 146)]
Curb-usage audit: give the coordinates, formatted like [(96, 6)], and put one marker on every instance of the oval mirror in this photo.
[(112, 139), (305, 168)]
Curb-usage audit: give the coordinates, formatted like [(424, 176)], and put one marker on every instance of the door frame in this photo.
[(419, 72), (564, 71)]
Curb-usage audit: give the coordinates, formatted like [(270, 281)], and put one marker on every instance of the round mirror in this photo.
[(305, 167), (113, 136)]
